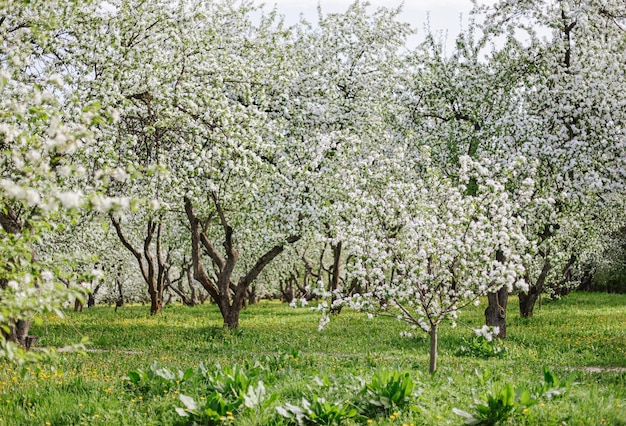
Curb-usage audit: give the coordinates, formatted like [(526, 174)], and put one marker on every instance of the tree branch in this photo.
[(129, 247), (198, 269), (265, 260)]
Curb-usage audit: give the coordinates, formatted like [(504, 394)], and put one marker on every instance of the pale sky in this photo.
[(445, 15)]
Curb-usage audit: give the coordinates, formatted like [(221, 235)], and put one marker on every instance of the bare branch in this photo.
[(265, 260), (198, 269)]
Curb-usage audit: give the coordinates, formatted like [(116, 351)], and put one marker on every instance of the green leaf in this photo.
[(188, 374), (134, 377), (508, 395), (526, 399), (549, 377)]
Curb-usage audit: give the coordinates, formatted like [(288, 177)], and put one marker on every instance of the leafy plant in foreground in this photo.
[(317, 412), (218, 408), (156, 380), (553, 387), (386, 391), (507, 402), (493, 409)]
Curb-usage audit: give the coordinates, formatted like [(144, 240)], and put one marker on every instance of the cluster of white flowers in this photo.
[(487, 332)]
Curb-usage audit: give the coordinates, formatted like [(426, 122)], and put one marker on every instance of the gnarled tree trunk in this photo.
[(228, 296), (527, 299)]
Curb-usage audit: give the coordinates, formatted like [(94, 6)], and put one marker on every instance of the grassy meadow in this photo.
[(338, 371)]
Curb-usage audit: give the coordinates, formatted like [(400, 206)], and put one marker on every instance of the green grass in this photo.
[(568, 335)]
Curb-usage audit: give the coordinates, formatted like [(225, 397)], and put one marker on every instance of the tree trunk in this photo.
[(91, 297), (335, 276), (252, 297), (433, 348), (231, 319), (156, 303), (120, 290), (192, 288), (18, 332), (495, 314), (527, 300), (153, 271), (527, 303), (228, 296), (11, 223)]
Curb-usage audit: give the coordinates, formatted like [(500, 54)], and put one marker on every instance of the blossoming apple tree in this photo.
[(195, 86), (570, 123), (38, 145), (422, 260)]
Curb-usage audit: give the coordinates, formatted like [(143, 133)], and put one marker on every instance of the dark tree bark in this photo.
[(336, 274), (228, 296), (153, 269), (120, 290), (286, 289), (495, 314), (20, 332), (91, 297), (527, 300), (252, 296)]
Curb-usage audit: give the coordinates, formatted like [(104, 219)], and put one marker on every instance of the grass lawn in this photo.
[(281, 347)]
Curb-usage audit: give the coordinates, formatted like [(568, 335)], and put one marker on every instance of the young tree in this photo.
[(421, 259), (461, 105)]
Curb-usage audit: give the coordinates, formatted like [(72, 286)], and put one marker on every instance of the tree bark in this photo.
[(11, 223), (336, 275), (20, 332), (432, 366), (527, 300), (228, 296), (495, 314), (91, 297)]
